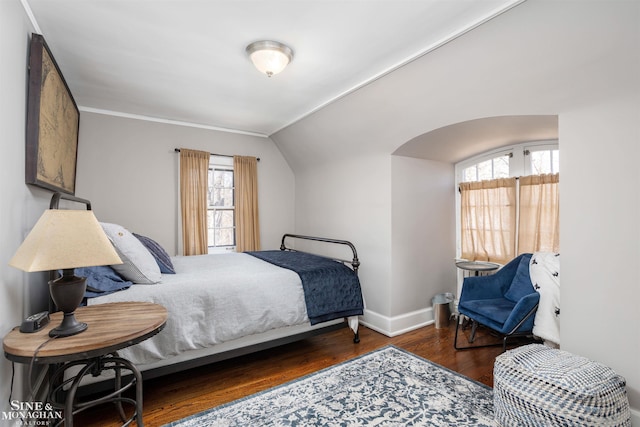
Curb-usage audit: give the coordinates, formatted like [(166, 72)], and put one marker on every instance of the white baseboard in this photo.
[(397, 325)]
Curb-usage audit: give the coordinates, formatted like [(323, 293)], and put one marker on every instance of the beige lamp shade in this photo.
[(65, 239)]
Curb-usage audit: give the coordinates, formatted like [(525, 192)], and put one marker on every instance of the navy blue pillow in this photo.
[(162, 257)]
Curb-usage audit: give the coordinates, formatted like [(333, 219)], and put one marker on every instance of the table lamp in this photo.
[(63, 240)]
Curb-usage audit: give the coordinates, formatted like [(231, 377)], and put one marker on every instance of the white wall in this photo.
[(347, 200), (423, 238), (129, 170), (21, 206), (600, 234), (577, 60)]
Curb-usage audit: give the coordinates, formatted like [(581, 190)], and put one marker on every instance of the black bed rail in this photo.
[(355, 262)]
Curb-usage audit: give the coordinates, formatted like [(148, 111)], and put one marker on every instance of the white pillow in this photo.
[(138, 266)]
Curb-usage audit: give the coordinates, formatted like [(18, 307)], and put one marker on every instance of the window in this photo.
[(495, 167), (221, 205), (492, 228), (542, 160), (532, 158)]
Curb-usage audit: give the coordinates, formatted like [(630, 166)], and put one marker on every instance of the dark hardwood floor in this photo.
[(179, 395)]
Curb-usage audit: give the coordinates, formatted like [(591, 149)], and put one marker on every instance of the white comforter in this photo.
[(214, 299)]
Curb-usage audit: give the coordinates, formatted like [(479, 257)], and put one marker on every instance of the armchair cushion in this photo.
[(489, 312), (521, 283), (492, 286)]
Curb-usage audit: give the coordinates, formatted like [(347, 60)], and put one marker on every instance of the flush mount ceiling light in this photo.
[(269, 57)]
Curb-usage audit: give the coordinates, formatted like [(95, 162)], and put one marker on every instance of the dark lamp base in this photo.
[(69, 326), (67, 293)]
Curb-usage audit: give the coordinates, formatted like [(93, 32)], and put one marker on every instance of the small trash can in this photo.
[(442, 309)]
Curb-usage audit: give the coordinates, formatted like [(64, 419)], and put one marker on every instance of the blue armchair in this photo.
[(505, 302)]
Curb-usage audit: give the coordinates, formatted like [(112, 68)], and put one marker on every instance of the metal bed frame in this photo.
[(355, 262)]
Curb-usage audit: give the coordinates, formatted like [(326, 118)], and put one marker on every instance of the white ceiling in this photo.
[(184, 60)]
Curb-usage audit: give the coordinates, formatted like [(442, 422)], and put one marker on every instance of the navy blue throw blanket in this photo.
[(331, 289), (102, 280)]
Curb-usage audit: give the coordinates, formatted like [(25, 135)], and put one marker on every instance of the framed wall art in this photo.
[(53, 121)]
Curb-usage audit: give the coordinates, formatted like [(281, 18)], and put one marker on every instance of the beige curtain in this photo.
[(245, 170), (194, 172), (488, 214), (539, 226)]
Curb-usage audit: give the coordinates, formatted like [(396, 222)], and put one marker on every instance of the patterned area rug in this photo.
[(387, 387)]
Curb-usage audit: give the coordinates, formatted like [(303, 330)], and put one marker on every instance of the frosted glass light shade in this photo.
[(65, 239), (269, 57)]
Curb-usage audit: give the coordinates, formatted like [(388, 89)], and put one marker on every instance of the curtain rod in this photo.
[(177, 150)]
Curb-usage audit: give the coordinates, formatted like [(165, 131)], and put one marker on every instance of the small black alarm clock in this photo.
[(35, 322)]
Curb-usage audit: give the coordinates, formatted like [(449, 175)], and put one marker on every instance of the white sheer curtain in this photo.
[(539, 224), (489, 220), (492, 211)]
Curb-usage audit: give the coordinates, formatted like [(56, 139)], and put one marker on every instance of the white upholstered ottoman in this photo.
[(535, 385)]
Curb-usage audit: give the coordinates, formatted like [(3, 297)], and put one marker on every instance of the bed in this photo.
[(226, 305)]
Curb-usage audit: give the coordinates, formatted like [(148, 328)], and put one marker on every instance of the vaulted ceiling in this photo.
[(185, 61), (459, 141)]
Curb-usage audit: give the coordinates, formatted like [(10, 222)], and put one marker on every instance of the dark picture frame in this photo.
[(53, 123)]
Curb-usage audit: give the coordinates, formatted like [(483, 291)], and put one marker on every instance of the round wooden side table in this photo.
[(111, 327)]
